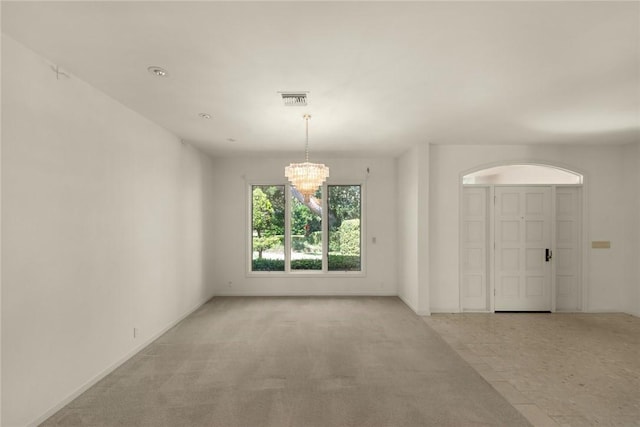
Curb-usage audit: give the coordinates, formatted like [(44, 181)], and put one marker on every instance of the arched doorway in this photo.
[(521, 238)]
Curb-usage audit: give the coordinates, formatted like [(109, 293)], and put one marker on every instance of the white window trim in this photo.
[(288, 273)]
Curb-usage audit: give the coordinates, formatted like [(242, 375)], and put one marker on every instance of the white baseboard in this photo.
[(445, 310), (602, 311), (91, 382), (366, 293)]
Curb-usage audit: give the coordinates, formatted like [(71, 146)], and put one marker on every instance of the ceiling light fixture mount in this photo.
[(306, 177), (158, 71), (205, 116)]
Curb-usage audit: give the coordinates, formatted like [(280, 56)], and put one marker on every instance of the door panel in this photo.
[(567, 252), (522, 235), (474, 271), (510, 286)]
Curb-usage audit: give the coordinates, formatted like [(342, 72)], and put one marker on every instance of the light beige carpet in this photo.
[(251, 362)]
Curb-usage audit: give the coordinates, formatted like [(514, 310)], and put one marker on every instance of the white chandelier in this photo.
[(306, 177)]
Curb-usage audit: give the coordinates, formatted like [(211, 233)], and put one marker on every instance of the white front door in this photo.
[(523, 239)]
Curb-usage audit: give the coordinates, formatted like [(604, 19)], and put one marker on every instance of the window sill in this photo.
[(310, 274)]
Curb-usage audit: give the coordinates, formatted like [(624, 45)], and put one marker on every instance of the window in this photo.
[(289, 234), (267, 227), (523, 174), (306, 231), (344, 228)]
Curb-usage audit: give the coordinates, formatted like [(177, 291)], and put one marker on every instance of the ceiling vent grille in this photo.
[(294, 99)]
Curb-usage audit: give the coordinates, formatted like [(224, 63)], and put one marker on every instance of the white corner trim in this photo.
[(413, 308), (92, 381), (408, 303)]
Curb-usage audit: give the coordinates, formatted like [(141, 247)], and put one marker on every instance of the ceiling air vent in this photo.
[(294, 99)]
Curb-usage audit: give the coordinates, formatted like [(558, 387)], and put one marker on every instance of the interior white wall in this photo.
[(413, 228), (607, 219), (1, 274), (632, 182), (424, 226), (233, 176), (105, 220), (407, 208), (637, 223)]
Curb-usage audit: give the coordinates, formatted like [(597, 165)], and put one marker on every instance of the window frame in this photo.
[(288, 272)]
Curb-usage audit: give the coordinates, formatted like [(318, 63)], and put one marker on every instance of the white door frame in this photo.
[(584, 237)]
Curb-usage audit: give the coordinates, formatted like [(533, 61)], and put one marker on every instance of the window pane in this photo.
[(306, 231), (344, 227), (267, 245), (523, 174)]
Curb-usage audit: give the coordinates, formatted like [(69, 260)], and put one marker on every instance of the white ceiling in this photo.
[(382, 75)]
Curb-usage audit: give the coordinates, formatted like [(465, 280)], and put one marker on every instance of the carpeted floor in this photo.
[(251, 362)]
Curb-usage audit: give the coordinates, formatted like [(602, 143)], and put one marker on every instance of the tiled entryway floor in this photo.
[(557, 369)]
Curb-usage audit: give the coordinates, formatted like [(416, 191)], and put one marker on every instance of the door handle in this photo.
[(548, 255)]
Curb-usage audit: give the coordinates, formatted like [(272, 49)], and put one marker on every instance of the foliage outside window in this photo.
[(344, 228), (306, 248), (306, 231), (268, 229)]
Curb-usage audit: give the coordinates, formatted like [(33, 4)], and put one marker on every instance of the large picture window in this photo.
[(291, 234)]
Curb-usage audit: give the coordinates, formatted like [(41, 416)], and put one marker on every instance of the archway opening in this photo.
[(521, 238)]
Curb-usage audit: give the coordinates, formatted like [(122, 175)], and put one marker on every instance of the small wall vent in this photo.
[(294, 99)]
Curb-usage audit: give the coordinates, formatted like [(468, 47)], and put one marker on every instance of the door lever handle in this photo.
[(548, 255)]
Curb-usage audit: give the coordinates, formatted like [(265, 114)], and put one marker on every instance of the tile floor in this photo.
[(556, 369)]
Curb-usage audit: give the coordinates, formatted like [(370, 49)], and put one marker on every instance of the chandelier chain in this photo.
[(306, 147)]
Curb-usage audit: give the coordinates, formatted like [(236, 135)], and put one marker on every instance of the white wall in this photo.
[(632, 181), (407, 208), (105, 228), (413, 228), (608, 203), (233, 175), (1, 274), (424, 230), (637, 223)]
